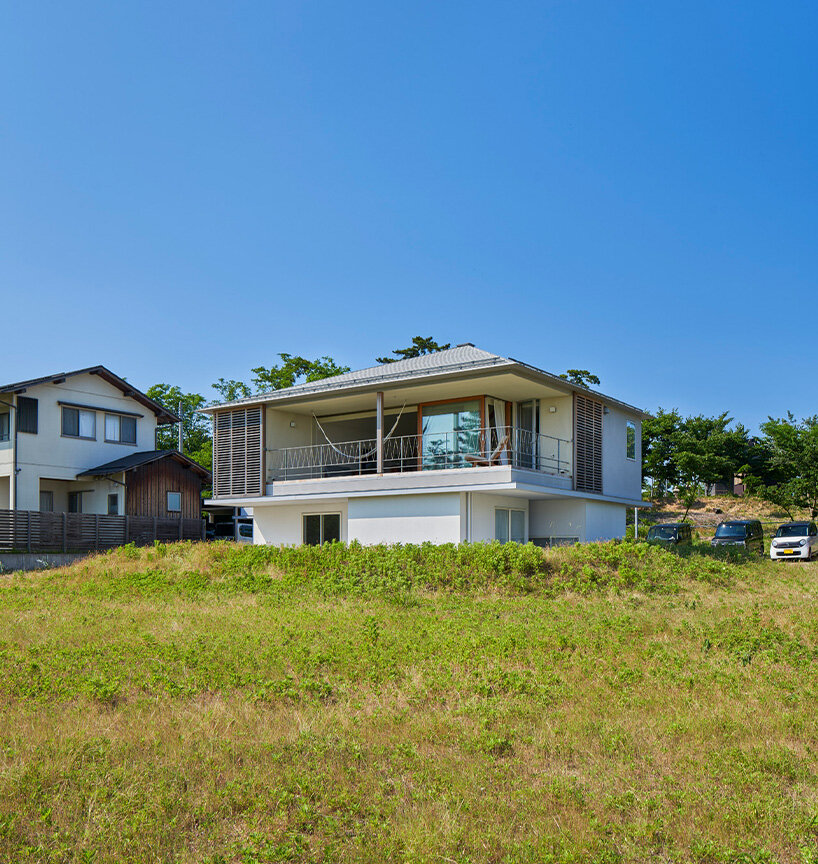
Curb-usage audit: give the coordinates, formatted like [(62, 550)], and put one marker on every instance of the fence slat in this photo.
[(34, 531)]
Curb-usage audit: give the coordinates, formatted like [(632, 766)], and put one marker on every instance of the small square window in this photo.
[(113, 504), (174, 502), (321, 528), (75, 502), (46, 501)]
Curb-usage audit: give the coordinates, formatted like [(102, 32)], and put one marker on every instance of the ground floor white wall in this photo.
[(281, 524), (406, 519), (442, 518), (575, 519)]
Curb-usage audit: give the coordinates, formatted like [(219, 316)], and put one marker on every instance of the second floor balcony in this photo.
[(428, 450)]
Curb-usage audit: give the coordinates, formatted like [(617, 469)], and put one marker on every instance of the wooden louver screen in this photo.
[(238, 453), (588, 438)]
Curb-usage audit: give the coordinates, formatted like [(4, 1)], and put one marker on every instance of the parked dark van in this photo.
[(671, 534), (740, 532)]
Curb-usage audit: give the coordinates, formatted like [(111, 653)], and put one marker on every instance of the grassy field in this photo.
[(614, 702)]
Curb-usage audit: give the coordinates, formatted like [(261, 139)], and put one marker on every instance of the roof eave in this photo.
[(434, 376)]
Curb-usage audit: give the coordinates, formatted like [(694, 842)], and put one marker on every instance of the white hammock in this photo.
[(361, 455)]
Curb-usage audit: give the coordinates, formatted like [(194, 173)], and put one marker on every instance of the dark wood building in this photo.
[(163, 483)]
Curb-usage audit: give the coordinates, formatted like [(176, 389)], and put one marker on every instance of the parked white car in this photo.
[(795, 540)]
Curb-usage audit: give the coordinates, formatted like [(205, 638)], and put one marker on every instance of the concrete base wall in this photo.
[(11, 561)]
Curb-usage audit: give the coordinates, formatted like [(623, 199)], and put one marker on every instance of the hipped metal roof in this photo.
[(453, 361)]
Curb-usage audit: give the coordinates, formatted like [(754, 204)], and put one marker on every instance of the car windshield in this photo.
[(731, 531), (662, 532), (792, 531)]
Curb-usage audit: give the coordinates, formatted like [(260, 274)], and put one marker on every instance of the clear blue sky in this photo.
[(187, 189)]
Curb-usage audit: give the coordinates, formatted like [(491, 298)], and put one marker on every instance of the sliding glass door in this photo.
[(526, 433), (449, 433)]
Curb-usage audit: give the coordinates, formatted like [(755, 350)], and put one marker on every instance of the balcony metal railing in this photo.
[(467, 448)]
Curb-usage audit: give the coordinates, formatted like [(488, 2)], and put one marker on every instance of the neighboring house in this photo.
[(84, 442), (460, 445)]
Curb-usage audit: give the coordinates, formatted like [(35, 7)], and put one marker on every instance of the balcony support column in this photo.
[(379, 430)]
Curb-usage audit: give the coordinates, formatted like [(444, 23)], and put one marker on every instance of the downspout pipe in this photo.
[(13, 489)]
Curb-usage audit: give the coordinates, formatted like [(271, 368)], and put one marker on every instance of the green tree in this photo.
[(420, 345), (792, 475), (230, 389), (196, 437), (687, 454), (580, 377), (294, 370)]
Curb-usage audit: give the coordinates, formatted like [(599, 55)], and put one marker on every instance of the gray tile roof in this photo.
[(145, 457), (459, 359)]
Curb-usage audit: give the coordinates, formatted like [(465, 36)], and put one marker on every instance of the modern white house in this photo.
[(459, 445), (85, 442)]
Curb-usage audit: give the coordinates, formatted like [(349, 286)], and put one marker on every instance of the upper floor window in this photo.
[(77, 423), (27, 415), (630, 439), (5, 426), (120, 429)]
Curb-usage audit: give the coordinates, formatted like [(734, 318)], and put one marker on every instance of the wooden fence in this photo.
[(33, 531)]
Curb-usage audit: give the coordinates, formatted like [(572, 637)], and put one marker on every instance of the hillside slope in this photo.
[(213, 703)]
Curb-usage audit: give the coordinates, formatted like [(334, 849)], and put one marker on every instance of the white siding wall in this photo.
[(482, 516), (621, 477), (406, 519), (50, 455)]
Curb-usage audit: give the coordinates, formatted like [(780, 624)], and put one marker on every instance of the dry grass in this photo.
[(284, 724)]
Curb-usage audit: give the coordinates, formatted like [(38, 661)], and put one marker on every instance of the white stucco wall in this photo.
[(621, 477), (279, 432), (282, 524), (586, 520), (406, 519), (558, 423), (482, 513), (49, 455), (604, 521), (554, 518)]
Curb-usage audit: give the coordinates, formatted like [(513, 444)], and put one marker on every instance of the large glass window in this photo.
[(321, 528), (451, 432)]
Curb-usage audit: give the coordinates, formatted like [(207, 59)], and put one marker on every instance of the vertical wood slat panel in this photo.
[(85, 532), (588, 415), (238, 452)]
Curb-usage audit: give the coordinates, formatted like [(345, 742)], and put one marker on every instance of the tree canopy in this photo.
[(420, 345), (581, 377)]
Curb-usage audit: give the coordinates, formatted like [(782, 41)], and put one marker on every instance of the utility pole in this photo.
[(180, 427)]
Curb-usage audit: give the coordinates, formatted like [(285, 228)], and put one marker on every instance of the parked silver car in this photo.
[(795, 540)]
